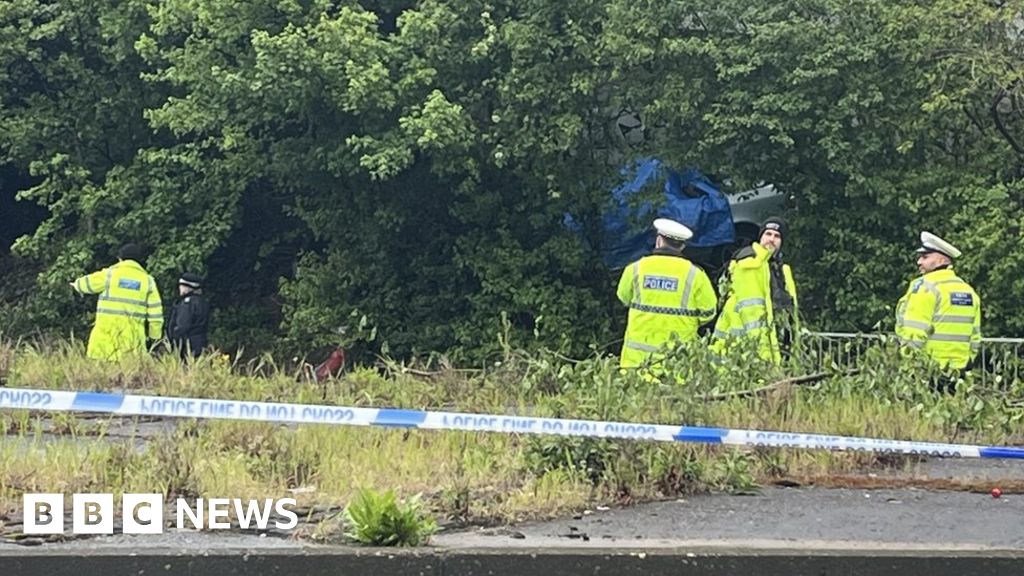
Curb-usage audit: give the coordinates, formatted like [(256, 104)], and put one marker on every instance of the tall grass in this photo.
[(479, 477)]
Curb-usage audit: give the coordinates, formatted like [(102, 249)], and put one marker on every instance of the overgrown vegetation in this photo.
[(478, 477), (412, 160)]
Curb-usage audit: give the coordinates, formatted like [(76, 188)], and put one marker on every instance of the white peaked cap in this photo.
[(672, 229), (932, 243)]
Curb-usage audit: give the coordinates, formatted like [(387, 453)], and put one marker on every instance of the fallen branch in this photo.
[(393, 368), (432, 373), (817, 376)]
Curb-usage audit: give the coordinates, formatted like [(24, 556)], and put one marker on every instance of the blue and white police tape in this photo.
[(137, 405)]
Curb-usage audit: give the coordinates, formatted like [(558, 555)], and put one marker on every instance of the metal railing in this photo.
[(999, 359)]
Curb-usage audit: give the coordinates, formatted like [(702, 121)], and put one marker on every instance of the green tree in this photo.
[(70, 115), (879, 118), (410, 162), (430, 164)]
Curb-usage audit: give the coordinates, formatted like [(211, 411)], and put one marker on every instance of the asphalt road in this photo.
[(802, 517), (793, 518)]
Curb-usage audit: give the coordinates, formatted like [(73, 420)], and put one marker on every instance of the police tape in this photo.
[(201, 408)]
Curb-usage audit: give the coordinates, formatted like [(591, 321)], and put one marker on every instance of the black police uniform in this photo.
[(189, 321)]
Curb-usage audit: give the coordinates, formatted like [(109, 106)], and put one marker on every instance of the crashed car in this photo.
[(750, 208), (722, 223)]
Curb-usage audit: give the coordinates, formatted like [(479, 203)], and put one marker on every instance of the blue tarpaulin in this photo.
[(688, 197)]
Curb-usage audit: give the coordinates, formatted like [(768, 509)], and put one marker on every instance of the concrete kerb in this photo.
[(501, 562)]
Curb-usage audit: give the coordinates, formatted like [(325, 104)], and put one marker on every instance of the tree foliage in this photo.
[(410, 161)]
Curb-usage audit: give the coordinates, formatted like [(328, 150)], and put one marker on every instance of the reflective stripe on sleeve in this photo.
[(912, 343), (914, 324), (746, 303), (640, 346)]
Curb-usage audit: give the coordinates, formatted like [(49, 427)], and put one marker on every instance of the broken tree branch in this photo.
[(817, 376)]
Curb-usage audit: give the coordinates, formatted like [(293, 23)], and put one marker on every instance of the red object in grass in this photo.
[(330, 367), (996, 492)]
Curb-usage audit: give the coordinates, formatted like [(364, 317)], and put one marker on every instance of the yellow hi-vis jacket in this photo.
[(668, 297), (941, 314), (748, 312), (129, 305)]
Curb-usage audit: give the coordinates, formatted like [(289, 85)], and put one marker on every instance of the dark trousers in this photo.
[(190, 346), (945, 381)]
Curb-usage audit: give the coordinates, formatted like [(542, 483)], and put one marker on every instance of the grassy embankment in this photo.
[(481, 477)]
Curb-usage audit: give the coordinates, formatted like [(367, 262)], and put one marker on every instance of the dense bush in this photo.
[(410, 161)]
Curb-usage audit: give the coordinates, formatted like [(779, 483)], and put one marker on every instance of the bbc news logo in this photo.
[(144, 513)]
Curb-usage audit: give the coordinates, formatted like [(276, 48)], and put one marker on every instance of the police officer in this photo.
[(940, 313), (760, 297), (668, 296), (190, 316), (128, 308)]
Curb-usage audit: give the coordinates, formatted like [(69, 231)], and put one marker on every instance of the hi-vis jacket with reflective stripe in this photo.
[(667, 296), (129, 305), (941, 314), (748, 312)]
